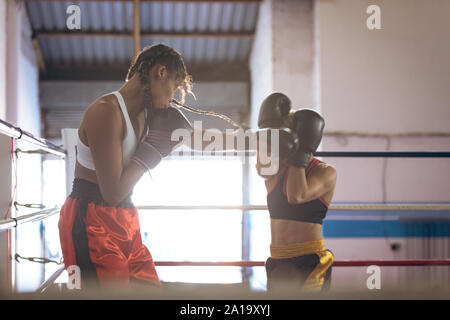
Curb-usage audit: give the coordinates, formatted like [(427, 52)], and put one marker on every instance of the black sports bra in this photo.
[(279, 208)]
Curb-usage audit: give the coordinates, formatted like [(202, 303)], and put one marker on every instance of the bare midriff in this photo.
[(284, 232)]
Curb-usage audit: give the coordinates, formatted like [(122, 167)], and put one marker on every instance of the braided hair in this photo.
[(172, 60), (164, 55)]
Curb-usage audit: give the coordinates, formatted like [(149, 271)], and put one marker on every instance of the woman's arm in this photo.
[(301, 190), (104, 133)]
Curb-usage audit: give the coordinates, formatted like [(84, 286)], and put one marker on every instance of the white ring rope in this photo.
[(337, 207)]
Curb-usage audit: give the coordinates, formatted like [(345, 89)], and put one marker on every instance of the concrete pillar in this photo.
[(22, 71), (12, 59), (22, 110), (261, 60), (283, 53), (293, 50), (5, 198), (2, 59)]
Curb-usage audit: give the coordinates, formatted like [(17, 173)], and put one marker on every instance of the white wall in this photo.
[(391, 86), (13, 32), (5, 198), (2, 59), (22, 72), (393, 80), (22, 110), (28, 115), (390, 179), (261, 60), (293, 50), (282, 57)]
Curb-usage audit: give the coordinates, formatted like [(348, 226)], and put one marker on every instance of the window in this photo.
[(193, 235)]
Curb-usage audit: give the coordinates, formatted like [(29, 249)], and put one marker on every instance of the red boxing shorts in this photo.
[(104, 241)]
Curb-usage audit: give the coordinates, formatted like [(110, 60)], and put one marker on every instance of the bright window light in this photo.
[(193, 235), (54, 182), (53, 194), (29, 275), (175, 235)]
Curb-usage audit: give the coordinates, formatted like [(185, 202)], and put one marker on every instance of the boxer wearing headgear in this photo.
[(297, 198)]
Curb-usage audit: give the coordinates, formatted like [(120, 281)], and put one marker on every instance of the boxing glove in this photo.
[(286, 143), (158, 142), (274, 111), (308, 126)]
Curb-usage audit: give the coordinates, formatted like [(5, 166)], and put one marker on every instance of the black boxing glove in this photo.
[(286, 143), (158, 142), (308, 126), (274, 111), (161, 126), (272, 154)]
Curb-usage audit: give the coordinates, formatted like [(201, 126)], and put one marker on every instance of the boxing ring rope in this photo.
[(246, 264), (381, 154), (44, 145), (17, 133), (11, 223), (45, 285), (330, 154), (8, 224), (336, 207), (337, 263)]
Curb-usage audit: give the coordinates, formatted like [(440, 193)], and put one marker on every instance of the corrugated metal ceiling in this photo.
[(155, 17)]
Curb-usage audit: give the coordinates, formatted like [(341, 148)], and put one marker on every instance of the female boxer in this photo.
[(298, 196), (121, 136)]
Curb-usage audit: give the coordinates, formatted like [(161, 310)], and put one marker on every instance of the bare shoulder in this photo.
[(103, 112), (326, 171), (105, 106), (102, 117)]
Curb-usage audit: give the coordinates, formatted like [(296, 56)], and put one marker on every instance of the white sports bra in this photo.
[(84, 156)]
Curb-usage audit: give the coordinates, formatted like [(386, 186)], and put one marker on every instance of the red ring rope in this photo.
[(338, 263)]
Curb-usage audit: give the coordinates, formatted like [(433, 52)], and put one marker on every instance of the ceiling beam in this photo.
[(162, 34), (220, 71), (185, 1)]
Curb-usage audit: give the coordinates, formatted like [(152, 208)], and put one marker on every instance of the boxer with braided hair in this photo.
[(122, 135)]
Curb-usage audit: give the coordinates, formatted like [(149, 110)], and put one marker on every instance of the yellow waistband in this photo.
[(296, 249)]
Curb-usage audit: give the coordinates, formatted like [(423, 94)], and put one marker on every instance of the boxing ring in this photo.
[(9, 224)]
